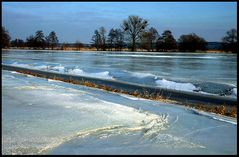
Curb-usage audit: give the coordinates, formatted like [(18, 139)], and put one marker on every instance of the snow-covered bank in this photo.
[(60, 118)]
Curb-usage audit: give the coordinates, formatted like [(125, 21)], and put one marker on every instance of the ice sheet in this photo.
[(144, 71), (45, 117)]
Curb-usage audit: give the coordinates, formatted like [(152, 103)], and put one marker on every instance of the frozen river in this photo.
[(41, 116), (194, 72)]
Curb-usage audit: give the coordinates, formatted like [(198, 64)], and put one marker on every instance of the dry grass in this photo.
[(219, 109), (87, 49)]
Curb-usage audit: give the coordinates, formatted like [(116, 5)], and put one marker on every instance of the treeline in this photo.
[(133, 34), (37, 41)]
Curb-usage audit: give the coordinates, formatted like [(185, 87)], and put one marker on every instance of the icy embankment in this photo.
[(229, 91), (62, 69), (39, 116)]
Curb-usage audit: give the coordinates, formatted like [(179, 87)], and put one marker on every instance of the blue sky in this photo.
[(77, 20)]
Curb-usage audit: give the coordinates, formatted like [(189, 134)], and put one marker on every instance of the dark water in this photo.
[(205, 73)]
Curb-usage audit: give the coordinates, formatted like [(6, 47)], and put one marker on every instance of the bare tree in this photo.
[(119, 39), (134, 26), (52, 40), (149, 39), (96, 40), (191, 42), (230, 41), (5, 38), (146, 40), (168, 40), (102, 32), (99, 39), (78, 45), (17, 43), (154, 37), (39, 39), (30, 41), (111, 38), (116, 39)]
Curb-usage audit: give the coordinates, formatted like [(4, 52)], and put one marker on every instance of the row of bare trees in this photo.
[(37, 41), (42, 41), (114, 40), (135, 34)]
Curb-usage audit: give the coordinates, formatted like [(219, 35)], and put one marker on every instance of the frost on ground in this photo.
[(42, 117)]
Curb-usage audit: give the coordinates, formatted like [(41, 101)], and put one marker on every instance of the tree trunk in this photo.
[(133, 44)]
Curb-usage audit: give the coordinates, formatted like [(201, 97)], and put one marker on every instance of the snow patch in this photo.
[(140, 74), (20, 64), (234, 92), (104, 74), (175, 85), (132, 97), (224, 120), (59, 68), (76, 71), (42, 67)]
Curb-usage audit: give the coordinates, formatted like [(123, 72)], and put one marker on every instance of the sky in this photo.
[(77, 21)]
